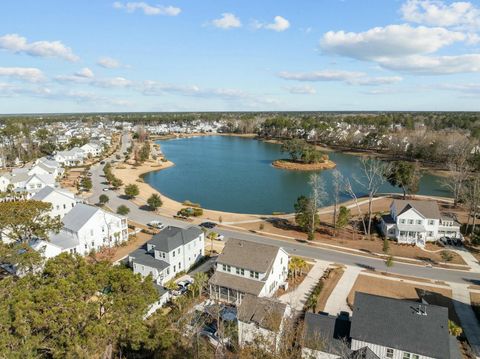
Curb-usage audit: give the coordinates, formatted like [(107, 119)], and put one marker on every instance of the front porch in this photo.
[(412, 237), (226, 295)]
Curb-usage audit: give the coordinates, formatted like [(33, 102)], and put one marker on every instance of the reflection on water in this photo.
[(234, 174)]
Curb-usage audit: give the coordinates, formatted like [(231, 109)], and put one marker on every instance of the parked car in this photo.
[(102, 162), (106, 189), (220, 237), (156, 224), (209, 225)]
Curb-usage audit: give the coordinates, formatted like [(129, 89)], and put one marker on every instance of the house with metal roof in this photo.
[(417, 222), (62, 201), (86, 228), (169, 252), (246, 267)]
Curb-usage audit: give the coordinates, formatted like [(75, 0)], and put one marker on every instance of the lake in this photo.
[(235, 174)]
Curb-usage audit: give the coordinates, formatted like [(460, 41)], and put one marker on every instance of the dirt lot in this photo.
[(328, 285), (71, 179), (399, 290)]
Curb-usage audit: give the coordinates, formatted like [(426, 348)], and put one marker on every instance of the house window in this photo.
[(430, 234), (254, 274), (431, 222), (402, 221), (163, 255), (224, 267), (389, 353), (415, 356), (91, 232), (174, 253), (410, 221), (240, 271), (419, 221), (406, 355), (174, 269)]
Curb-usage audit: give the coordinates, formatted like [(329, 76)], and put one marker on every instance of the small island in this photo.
[(303, 157)]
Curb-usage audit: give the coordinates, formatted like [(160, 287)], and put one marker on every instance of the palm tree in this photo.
[(200, 279), (296, 265)]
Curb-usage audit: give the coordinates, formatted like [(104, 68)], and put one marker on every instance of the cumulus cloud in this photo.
[(438, 13), (86, 76), (302, 90), (350, 77), (85, 72), (279, 24), (117, 82), (435, 65), (147, 9), (389, 41), (108, 63), (19, 44), (227, 21), (29, 74)]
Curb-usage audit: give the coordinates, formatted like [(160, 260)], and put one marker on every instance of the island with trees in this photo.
[(303, 157)]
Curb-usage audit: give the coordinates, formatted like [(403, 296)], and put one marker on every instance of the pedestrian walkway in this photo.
[(337, 302), (468, 320), (297, 297), (468, 257)]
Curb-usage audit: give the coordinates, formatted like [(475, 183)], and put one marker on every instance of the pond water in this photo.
[(235, 174)]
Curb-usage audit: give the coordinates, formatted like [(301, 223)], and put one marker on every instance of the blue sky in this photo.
[(75, 56)]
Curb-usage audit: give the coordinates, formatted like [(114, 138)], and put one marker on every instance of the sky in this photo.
[(239, 55)]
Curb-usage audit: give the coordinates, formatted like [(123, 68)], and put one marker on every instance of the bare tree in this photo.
[(337, 182), (317, 196), (373, 177), (471, 196), (459, 172)]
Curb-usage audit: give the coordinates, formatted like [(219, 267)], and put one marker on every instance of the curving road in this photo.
[(331, 255)]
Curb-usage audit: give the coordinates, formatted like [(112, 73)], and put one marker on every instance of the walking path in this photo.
[(297, 297), (337, 302), (468, 320), (468, 257)]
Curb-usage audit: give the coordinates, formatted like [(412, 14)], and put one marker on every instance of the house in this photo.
[(92, 149), (85, 228), (395, 328), (52, 166), (417, 222), (169, 252), (381, 327), (246, 267), (262, 320), (62, 200), (73, 157)]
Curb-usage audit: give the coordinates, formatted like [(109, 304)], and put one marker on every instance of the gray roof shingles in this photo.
[(143, 257), (429, 209), (396, 324), (265, 312), (171, 238)]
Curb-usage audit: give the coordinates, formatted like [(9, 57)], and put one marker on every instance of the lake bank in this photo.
[(290, 165)]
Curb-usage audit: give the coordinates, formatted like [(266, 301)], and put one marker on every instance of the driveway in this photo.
[(337, 302)]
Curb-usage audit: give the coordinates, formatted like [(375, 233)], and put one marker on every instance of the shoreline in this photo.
[(296, 166)]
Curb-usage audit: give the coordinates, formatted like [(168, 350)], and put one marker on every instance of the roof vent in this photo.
[(421, 310)]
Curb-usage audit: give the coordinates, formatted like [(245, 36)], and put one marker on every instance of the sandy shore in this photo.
[(295, 166)]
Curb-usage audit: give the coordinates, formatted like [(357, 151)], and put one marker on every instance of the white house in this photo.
[(246, 267), (62, 200), (262, 320), (169, 252), (92, 149), (73, 157), (417, 222), (86, 228)]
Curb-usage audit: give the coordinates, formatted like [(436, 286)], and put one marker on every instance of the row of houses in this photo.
[(77, 155)]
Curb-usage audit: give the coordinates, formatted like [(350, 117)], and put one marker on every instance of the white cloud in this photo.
[(279, 24), (434, 65), (227, 21), (302, 90), (10, 90), (389, 42), (19, 44), (350, 77), (85, 72), (109, 63), (148, 9), (470, 88), (29, 74), (438, 13), (117, 82)]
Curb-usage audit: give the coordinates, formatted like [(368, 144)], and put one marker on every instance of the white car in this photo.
[(220, 237), (106, 189), (156, 224)]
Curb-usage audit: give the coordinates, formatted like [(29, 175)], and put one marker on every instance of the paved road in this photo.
[(301, 249)]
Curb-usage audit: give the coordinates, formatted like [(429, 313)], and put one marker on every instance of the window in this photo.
[(91, 232), (224, 267), (431, 222), (174, 269), (64, 206), (419, 221), (163, 255), (410, 221), (406, 355), (415, 356), (430, 234), (240, 271), (402, 221), (174, 253), (254, 274), (389, 353)]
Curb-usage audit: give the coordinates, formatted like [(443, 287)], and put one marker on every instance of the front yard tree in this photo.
[(103, 199), (123, 210), (22, 221), (317, 197), (132, 190), (200, 279), (405, 175), (386, 246), (86, 183), (296, 266), (304, 214), (154, 202), (343, 217), (389, 262), (116, 182), (337, 181)]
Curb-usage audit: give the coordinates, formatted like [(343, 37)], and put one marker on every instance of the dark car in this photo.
[(102, 163), (209, 225)]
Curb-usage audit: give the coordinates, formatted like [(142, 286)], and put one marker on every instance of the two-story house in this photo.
[(383, 328), (85, 228), (92, 149), (246, 267), (417, 222), (169, 252), (62, 200)]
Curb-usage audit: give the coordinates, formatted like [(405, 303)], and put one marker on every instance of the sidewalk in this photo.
[(297, 298), (337, 302), (468, 257), (468, 320)]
